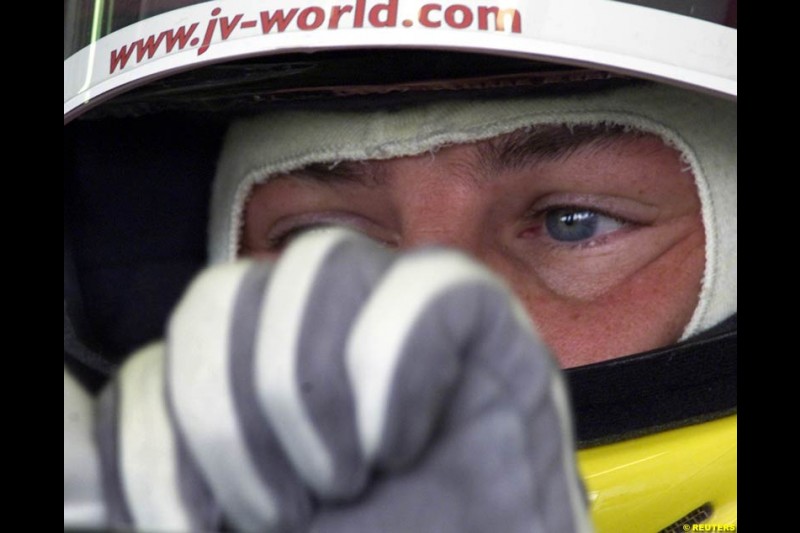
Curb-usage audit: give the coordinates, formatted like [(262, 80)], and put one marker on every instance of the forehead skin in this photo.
[(630, 288)]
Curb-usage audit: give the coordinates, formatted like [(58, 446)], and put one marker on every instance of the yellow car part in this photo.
[(665, 481)]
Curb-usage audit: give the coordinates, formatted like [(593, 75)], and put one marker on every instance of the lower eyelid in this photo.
[(600, 240)]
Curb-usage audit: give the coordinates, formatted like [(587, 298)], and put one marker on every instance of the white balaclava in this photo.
[(701, 128)]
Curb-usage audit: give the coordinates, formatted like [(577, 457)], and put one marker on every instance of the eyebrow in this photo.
[(549, 142), (517, 150), (365, 172)]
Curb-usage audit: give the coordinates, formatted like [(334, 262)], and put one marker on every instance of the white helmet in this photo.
[(111, 48)]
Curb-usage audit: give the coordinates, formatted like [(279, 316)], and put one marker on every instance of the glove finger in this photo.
[(210, 383), (457, 386), (147, 477), (83, 499), (317, 289), (400, 359), (511, 409)]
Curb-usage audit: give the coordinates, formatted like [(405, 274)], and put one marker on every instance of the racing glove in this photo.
[(342, 388)]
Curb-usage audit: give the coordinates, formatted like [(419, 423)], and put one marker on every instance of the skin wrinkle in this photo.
[(515, 151), (634, 290), (677, 241), (345, 171)]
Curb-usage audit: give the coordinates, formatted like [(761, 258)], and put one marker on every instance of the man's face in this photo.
[(599, 234)]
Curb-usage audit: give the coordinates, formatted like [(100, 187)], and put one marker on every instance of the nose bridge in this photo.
[(440, 198), (444, 211)]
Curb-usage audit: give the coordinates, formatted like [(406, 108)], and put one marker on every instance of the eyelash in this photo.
[(278, 242)]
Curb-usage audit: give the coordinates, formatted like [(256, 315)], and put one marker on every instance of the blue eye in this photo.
[(574, 224)]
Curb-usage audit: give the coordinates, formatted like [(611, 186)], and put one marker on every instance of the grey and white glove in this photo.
[(343, 388)]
